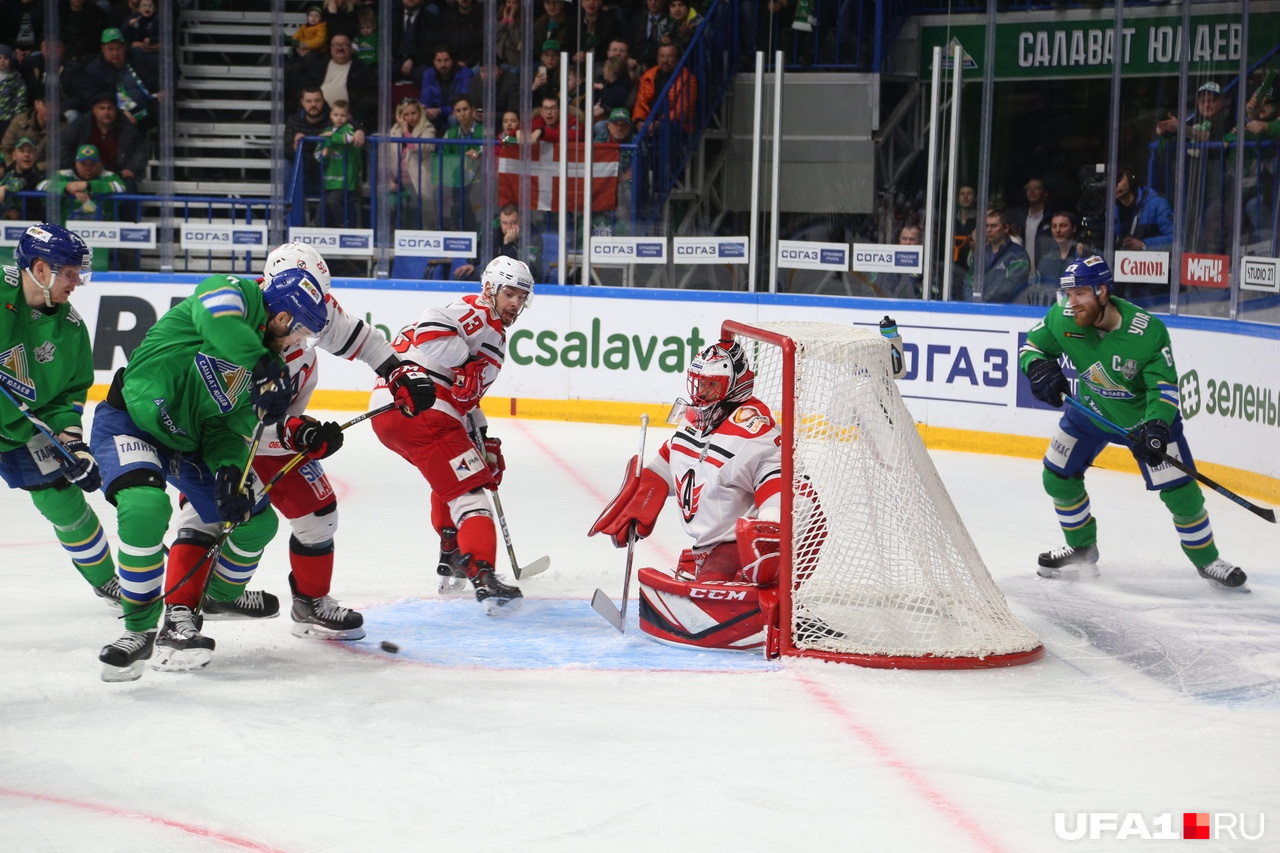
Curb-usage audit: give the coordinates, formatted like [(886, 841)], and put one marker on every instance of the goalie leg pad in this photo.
[(758, 547), (701, 614)]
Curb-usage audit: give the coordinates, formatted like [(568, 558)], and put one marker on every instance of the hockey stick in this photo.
[(600, 602), (41, 426), (229, 526), (539, 565), (1260, 511)]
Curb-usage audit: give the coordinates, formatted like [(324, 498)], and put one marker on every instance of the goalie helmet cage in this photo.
[(877, 568)]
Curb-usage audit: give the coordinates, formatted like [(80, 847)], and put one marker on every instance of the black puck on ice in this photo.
[(390, 647)]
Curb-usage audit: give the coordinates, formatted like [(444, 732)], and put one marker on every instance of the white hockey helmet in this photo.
[(502, 272), (297, 256)]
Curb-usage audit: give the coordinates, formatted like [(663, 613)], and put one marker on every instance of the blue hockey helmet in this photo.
[(1091, 272), (59, 247), (297, 291)]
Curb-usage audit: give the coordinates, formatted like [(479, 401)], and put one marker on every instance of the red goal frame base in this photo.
[(922, 661)]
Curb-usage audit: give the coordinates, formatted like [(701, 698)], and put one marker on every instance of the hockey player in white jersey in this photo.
[(462, 346), (724, 466), (303, 494)]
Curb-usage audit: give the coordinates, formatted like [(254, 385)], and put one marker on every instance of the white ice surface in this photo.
[(549, 731)]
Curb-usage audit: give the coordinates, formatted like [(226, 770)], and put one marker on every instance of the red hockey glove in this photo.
[(640, 500), (307, 435), (493, 458), (468, 385)]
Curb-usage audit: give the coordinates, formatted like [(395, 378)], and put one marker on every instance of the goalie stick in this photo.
[(539, 565), (600, 602), (1260, 511)]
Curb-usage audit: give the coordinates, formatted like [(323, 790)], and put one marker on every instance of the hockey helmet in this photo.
[(1091, 272), (719, 380), (300, 256), (502, 272), (297, 291), (59, 247)]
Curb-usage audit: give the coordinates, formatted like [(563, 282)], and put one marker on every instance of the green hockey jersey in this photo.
[(45, 361), (1126, 375), (188, 382)]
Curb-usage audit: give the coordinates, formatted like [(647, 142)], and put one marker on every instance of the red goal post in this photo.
[(877, 568)]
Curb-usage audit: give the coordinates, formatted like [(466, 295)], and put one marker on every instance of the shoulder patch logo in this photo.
[(224, 380), (44, 352)]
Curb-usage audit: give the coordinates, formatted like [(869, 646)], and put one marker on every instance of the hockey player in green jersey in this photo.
[(46, 364), (1126, 374), (184, 411)]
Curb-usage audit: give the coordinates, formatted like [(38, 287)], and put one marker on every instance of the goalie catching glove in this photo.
[(412, 388), (639, 500), (307, 435)]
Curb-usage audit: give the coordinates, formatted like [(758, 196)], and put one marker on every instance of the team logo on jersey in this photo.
[(749, 418), (224, 380), (1103, 385), (688, 495), (44, 352), (14, 374), (1129, 369)]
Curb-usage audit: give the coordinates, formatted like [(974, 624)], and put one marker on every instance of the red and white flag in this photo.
[(543, 170)]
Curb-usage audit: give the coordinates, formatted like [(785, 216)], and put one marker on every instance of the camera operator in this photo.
[(1144, 220)]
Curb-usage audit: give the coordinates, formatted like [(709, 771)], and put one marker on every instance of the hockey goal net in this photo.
[(877, 567)]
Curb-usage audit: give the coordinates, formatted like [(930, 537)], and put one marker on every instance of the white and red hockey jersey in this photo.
[(734, 471), (445, 339), (344, 336)]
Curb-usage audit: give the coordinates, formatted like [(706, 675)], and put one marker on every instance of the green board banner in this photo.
[(1043, 49)]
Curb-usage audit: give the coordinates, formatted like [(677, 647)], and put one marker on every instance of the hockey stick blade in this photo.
[(602, 604), (537, 567), (1265, 513)]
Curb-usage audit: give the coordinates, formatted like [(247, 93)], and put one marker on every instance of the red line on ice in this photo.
[(935, 798), (133, 814)]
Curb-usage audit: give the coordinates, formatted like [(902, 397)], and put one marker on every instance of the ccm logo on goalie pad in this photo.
[(718, 594), (467, 465)]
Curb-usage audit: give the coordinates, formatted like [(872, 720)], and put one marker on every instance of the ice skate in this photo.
[(1220, 571), (453, 581), (324, 618), (252, 604), (497, 598), (181, 646), (109, 592), (1068, 562), (125, 659)]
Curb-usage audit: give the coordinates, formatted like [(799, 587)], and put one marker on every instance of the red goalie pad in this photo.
[(707, 615), (758, 547)]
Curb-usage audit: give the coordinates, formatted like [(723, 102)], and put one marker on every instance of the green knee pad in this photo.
[(1063, 490), (62, 507), (1186, 502), (77, 527)]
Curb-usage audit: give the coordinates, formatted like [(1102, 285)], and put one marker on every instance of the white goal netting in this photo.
[(883, 567)]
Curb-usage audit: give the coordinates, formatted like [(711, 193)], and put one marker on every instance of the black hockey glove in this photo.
[(307, 435), (233, 505), (271, 389), (1048, 385), (412, 388), (1149, 442), (83, 471)]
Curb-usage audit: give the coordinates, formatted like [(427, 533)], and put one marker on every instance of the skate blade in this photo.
[(132, 672), (236, 617), (453, 586), (309, 631), (1077, 572), (181, 660), (1243, 589), (502, 607)]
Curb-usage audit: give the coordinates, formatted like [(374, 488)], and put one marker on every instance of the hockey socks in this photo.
[(238, 559), (478, 537), (312, 567), (185, 554), (1186, 503), (142, 519), (1071, 502), (78, 529)]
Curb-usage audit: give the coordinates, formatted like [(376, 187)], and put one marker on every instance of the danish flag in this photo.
[(543, 170)]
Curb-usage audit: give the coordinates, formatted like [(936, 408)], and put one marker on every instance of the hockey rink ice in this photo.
[(1159, 695)]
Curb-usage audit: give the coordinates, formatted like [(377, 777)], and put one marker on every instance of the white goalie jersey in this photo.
[(734, 471)]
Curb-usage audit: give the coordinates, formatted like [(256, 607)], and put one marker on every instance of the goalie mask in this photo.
[(719, 380)]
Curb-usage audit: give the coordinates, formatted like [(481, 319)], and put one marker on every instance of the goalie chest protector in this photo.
[(706, 615)]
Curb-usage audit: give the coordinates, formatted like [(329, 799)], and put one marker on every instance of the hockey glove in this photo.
[(412, 388), (83, 471), (468, 385), (1048, 385), (645, 496), (1149, 442), (493, 458), (233, 505), (272, 390), (307, 435)]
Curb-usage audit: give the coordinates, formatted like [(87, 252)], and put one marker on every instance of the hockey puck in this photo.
[(390, 647)]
